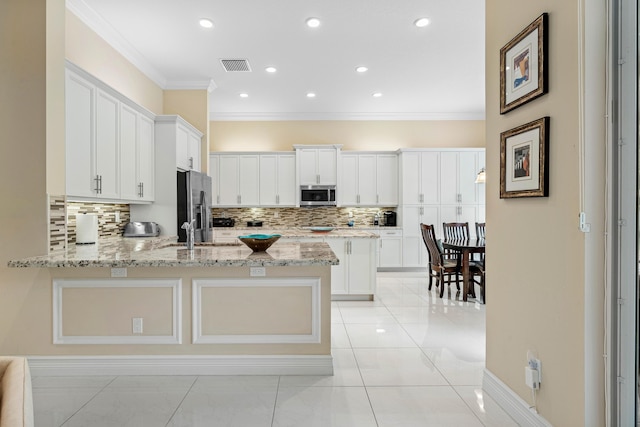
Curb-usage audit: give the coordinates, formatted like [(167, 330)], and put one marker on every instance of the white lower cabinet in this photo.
[(389, 248), (414, 252), (356, 273)]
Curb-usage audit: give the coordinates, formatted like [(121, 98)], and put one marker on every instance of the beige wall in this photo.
[(93, 54), (193, 106), (23, 157), (536, 292), (354, 135)]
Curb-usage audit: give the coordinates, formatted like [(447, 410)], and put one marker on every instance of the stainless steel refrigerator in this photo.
[(194, 202)]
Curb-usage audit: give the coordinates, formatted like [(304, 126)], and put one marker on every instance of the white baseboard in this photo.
[(180, 365), (510, 402)]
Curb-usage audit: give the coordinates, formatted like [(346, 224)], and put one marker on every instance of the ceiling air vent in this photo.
[(235, 65)]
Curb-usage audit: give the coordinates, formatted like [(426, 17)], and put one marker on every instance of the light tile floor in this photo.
[(408, 358)]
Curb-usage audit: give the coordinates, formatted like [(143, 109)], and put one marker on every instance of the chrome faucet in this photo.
[(189, 227)]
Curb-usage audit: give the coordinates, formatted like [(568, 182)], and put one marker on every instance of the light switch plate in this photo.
[(258, 271)]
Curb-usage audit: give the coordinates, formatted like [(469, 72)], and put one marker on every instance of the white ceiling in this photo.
[(436, 72)]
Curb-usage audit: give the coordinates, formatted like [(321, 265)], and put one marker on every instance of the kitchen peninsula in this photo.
[(150, 306)]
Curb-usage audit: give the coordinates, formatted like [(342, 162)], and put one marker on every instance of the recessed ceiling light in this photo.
[(377, 94), (270, 69), (311, 95), (361, 69), (206, 23), (313, 22), (421, 22), (244, 95)]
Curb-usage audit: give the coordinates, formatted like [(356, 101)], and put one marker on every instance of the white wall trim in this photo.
[(180, 365), (510, 402), (60, 284), (293, 116), (312, 338)]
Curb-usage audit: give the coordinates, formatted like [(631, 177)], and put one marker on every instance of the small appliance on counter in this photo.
[(223, 222), (254, 223), (389, 219), (141, 229), (86, 229)]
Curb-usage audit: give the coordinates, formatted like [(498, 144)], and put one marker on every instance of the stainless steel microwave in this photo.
[(318, 195)]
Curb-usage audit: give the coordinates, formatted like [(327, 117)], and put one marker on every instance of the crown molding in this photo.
[(94, 21), (292, 116), (208, 85)]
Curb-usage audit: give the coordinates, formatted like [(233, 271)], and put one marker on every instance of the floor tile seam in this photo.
[(275, 401), (173, 414), (436, 366), (89, 401), (373, 412), (468, 406)]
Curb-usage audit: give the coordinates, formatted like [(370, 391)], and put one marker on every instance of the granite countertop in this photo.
[(164, 252), (303, 232)]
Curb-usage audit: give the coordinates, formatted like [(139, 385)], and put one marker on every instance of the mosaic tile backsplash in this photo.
[(301, 217), (107, 224), (57, 223)]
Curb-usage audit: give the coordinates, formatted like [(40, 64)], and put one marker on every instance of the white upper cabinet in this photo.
[(458, 175), (317, 165), (278, 179), (136, 155), (420, 177), (106, 134), (188, 148), (81, 180), (368, 179), (236, 179)]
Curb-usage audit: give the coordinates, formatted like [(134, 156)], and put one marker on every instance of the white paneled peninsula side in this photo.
[(151, 306)]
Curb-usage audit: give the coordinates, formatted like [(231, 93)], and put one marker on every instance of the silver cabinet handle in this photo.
[(142, 189), (97, 180), (421, 197), (139, 189), (358, 199), (377, 199), (190, 162), (218, 199), (459, 197), (238, 199), (421, 210), (318, 179), (277, 199)]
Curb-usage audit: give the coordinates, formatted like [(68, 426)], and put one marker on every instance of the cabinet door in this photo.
[(449, 178), (107, 154), (327, 166), (214, 168), (387, 180), (411, 188), (146, 158), (80, 139), (430, 177), (362, 266), (367, 190), (194, 151), (249, 180), (390, 251), (228, 177), (339, 272), (308, 167), (286, 180), (414, 252), (129, 185), (182, 148), (348, 191), (268, 180), (467, 171)]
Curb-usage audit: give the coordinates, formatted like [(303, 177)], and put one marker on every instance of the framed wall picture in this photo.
[(524, 160), (523, 66)]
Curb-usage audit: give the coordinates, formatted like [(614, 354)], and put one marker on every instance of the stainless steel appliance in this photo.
[(318, 195), (223, 222), (141, 229), (194, 204)]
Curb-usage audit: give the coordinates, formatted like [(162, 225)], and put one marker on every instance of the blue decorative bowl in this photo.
[(259, 242)]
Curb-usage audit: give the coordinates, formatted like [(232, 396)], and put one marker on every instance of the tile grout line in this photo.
[(181, 401), (275, 401), (89, 401)]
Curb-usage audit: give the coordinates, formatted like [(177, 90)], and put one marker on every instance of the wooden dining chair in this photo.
[(442, 269), (480, 226), (454, 231)]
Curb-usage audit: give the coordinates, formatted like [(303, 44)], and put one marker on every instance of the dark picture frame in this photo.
[(524, 160), (524, 66)]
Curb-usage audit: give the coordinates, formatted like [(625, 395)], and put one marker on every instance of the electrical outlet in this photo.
[(118, 272), (137, 325), (117, 216), (531, 378), (276, 214), (350, 214), (258, 271)]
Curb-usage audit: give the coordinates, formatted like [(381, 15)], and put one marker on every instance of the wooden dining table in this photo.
[(467, 247)]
